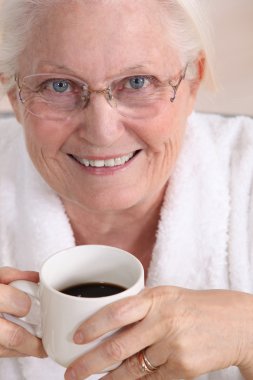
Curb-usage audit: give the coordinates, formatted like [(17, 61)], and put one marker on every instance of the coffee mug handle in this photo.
[(32, 321)]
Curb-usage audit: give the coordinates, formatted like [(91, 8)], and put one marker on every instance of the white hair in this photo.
[(188, 26)]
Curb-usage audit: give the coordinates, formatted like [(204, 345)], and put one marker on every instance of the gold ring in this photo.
[(145, 364)]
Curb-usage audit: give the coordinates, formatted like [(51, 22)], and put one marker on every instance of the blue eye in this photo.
[(60, 85), (137, 82)]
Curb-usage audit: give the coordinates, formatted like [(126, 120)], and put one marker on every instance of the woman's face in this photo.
[(98, 42)]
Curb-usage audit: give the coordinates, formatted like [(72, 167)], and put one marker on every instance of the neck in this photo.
[(133, 230)]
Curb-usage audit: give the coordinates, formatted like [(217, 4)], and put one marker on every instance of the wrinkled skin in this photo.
[(186, 332)]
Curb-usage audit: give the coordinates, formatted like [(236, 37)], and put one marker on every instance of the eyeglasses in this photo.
[(59, 97)]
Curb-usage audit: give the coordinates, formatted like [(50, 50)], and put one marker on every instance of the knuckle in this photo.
[(120, 311), (113, 313), (162, 299), (114, 350), (184, 359), (83, 366), (16, 337), (186, 365), (132, 366), (116, 313)]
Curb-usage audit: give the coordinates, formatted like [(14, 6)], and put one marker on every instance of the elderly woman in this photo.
[(104, 151)]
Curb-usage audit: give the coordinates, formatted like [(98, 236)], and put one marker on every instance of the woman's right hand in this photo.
[(15, 341)]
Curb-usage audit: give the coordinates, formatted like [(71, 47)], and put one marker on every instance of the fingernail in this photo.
[(78, 337), (21, 304), (70, 374)]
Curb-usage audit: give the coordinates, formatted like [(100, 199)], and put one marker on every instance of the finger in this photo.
[(114, 316), (117, 348), (132, 368), (135, 372), (158, 354), (15, 337), (14, 301), (8, 274)]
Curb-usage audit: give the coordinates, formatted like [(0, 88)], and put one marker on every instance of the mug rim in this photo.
[(92, 299)]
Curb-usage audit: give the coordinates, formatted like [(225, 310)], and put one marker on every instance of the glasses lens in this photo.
[(50, 97), (141, 97)]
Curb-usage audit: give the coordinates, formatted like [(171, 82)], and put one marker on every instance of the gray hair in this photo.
[(189, 28)]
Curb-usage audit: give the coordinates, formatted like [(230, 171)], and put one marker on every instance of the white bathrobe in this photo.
[(203, 238)]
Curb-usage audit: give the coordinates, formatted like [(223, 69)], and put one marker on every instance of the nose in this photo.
[(100, 124)]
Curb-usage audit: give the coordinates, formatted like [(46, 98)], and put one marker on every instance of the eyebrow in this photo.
[(64, 68), (52, 66), (132, 68)]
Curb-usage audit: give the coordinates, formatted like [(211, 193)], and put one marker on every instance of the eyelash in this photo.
[(50, 83), (152, 80)]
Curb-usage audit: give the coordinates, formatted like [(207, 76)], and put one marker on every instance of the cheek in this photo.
[(164, 133), (170, 128), (44, 141), (44, 136), (163, 139)]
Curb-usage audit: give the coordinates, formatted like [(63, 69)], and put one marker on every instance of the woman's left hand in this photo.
[(185, 333)]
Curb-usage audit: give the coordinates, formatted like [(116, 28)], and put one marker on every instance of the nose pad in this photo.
[(108, 96), (85, 99), (111, 100)]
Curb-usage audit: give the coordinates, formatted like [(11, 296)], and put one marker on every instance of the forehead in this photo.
[(101, 38)]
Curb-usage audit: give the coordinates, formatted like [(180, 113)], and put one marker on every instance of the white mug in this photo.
[(62, 314)]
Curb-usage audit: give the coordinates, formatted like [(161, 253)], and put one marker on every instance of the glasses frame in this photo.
[(107, 91)]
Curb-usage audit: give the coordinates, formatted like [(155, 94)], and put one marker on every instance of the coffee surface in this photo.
[(93, 289)]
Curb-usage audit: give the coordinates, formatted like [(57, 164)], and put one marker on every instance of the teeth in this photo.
[(109, 163), (85, 162), (105, 163)]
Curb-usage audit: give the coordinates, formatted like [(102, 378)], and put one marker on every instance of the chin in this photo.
[(108, 202)]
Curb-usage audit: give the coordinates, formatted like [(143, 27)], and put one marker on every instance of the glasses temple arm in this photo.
[(175, 86)]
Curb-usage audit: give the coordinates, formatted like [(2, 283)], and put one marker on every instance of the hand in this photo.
[(186, 333), (14, 340)]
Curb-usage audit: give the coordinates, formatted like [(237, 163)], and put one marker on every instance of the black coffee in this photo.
[(93, 289)]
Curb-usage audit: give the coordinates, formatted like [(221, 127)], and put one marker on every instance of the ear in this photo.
[(12, 94), (200, 72), (196, 82)]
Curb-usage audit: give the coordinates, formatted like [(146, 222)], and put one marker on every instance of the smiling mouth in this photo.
[(109, 163)]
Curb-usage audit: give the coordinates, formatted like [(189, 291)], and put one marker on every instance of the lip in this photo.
[(104, 170)]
